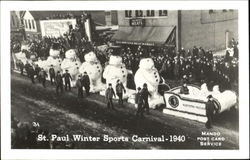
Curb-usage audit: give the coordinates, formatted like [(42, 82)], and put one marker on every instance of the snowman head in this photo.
[(54, 53), (115, 60), (147, 64), (70, 54), (90, 57)]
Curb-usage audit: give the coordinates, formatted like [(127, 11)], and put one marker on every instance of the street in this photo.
[(66, 114)]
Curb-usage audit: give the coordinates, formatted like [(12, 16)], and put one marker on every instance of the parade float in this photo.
[(192, 105), (94, 70), (115, 70), (71, 63), (147, 73), (53, 60)]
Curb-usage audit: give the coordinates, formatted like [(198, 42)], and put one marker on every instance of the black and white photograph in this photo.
[(155, 78)]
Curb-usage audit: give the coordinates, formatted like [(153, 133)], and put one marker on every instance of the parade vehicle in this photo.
[(192, 106)]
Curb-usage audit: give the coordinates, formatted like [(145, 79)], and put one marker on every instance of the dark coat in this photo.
[(85, 80), (67, 77), (109, 93)]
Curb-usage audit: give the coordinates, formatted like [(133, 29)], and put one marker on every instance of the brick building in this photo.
[(210, 29)]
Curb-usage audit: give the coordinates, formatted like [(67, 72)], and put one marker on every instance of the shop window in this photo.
[(211, 11), (163, 13), (138, 13), (128, 13), (150, 13), (33, 24)]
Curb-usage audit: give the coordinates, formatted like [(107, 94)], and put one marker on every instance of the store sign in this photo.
[(137, 22)]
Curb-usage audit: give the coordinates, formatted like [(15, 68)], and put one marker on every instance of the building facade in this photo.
[(210, 29)]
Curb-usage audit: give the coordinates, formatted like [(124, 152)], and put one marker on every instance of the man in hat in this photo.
[(43, 75), (145, 93), (139, 102), (119, 91), (79, 86), (210, 108), (109, 94), (52, 74), (86, 82), (59, 82), (67, 79)]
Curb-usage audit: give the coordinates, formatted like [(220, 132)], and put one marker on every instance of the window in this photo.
[(138, 13), (210, 11), (163, 13), (33, 24), (13, 20), (29, 25), (26, 25), (128, 13), (150, 13)]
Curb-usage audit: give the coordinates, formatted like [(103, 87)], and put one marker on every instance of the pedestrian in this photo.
[(119, 91), (139, 102), (21, 66), (43, 75), (210, 108), (145, 93), (86, 82), (37, 70), (59, 82), (67, 79), (109, 94), (79, 86), (31, 74), (52, 74), (27, 68)]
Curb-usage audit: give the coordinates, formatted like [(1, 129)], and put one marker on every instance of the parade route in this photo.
[(65, 114)]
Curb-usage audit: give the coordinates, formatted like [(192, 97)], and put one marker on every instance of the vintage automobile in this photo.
[(192, 105)]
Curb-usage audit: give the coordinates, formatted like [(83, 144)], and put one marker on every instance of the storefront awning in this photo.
[(150, 36)]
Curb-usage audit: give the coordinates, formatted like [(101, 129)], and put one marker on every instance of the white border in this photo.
[(7, 153)]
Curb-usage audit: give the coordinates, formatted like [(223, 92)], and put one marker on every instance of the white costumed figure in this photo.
[(147, 73), (21, 55), (94, 70), (116, 70), (71, 63), (53, 59)]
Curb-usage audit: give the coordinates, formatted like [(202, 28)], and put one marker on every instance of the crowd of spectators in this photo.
[(198, 64)]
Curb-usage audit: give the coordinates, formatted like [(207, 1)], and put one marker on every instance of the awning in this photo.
[(149, 36)]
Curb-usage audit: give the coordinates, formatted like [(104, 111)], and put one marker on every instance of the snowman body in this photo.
[(116, 70), (94, 70), (71, 63), (147, 73), (53, 59)]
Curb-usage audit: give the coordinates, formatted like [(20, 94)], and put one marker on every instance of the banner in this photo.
[(56, 28)]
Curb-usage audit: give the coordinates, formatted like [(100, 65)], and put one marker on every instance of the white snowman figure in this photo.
[(21, 55), (116, 70), (53, 60), (71, 63), (94, 70), (147, 73)]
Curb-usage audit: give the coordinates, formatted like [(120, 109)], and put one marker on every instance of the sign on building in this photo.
[(56, 28), (137, 22)]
